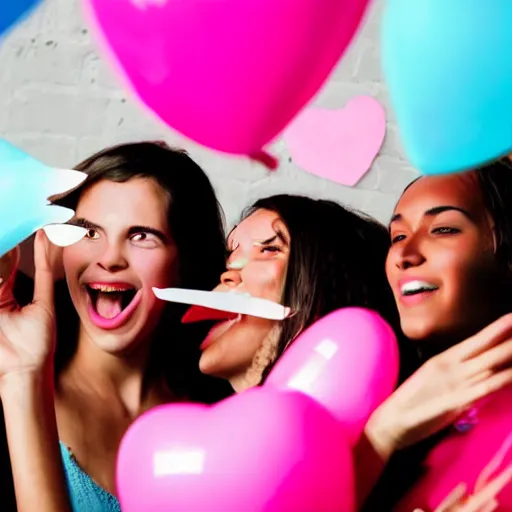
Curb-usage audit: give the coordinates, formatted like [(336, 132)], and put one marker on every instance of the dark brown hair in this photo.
[(337, 259), (196, 222)]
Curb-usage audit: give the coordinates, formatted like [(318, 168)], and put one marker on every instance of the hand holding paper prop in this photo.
[(25, 186)]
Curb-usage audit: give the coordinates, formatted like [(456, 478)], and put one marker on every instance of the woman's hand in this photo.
[(27, 345), (443, 389), (27, 336), (484, 496)]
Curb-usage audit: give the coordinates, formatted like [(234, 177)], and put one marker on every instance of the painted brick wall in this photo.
[(59, 101)]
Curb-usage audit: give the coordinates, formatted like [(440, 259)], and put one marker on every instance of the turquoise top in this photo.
[(84, 493)]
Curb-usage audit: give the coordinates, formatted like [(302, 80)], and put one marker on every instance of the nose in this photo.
[(231, 278), (410, 254), (113, 258)]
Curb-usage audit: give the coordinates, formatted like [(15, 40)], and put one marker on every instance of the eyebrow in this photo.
[(432, 212), (87, 224), (279, 235)]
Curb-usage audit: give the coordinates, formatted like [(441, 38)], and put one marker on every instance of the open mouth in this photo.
[(109, 301), (417, 287), (219, 329), (201, 313), (111, 305)]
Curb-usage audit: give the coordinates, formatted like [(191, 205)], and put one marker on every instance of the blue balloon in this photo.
[(12, 11), (448, 66), (25, 185)]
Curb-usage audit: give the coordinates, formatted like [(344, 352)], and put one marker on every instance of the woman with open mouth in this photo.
[(313, 256), (449, 266), (150, 213)]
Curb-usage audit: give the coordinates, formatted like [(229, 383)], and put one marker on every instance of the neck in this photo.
[(251, 377), (246, 380), (444, 340), (106, 376)]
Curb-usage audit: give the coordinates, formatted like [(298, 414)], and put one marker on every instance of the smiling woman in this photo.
[(313, 256), (149, 212), (450, 268)]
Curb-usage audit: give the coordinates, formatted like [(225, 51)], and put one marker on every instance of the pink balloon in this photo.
[(462, 456), (259, 451), (348, 361), (229, 74)]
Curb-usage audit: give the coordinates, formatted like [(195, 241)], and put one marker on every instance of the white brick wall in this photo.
[(60, 102)]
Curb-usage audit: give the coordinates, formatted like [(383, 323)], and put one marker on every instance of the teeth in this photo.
[(417, 286), (101, 288)]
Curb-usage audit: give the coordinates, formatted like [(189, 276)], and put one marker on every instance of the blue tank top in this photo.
[(85, 494)]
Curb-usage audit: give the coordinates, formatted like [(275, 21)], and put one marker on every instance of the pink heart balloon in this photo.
[(339, 145), (348, 361), (229, 74), (260, 451)]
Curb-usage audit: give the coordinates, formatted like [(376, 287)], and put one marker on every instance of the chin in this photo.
[(417, 330), (116, 344)]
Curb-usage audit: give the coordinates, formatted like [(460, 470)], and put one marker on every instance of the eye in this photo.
[(445, 231), (397, 238), (147, 239), (270, 249), (92, 234)]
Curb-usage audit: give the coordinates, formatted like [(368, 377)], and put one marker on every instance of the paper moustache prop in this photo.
[(258, 451), (215, 305), (25, 185)]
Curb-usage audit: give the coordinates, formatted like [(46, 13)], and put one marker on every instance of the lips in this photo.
[(415, 286), (111, 304), (413, 291), (219, 330)]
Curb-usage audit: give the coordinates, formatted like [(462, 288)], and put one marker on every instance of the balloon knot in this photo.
[(266, 159)]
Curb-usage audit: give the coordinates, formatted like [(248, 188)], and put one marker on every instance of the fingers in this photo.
[(43, 279), (492, 335), (489, 493), (496, 357), (492, 505), (494, 464), (453, 499), (485, 387)]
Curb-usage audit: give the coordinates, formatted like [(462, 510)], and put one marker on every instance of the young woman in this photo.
[(150, 212), (314, 256), (449, 266)]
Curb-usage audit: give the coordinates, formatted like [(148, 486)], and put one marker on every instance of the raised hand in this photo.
[(443, 389), (27, 335)]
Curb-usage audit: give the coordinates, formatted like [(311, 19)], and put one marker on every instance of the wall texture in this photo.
[(60, 102)]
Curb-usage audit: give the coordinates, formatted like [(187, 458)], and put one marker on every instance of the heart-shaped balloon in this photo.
[(26, 185), (339, 145), (259, 451), (11, 11), (348, 361), (448, 66), (229, 74)]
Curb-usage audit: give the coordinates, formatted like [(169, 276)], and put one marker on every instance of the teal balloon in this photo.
[(25, 185), (448, 67), (12, 11)]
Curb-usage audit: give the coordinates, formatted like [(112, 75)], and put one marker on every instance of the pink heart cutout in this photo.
[(339, 145), (258, 451)]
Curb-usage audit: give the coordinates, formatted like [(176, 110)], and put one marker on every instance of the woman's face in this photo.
[(259, 251), (441, 264), (127, 251)]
